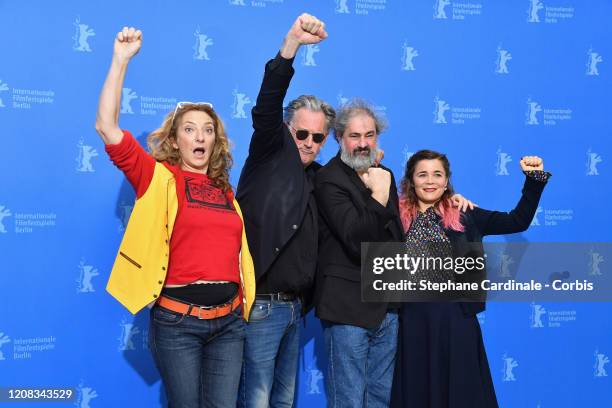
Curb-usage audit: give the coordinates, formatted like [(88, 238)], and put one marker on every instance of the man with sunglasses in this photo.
[(275, 192)]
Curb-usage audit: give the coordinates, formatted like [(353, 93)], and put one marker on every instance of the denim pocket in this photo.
[(260, 311), (166, 317)]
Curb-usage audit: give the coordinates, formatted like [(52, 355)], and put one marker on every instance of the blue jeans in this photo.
[(271, 351), (199, 360), (361, 362)]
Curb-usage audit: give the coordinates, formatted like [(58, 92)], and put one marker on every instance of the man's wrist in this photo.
[(289, 48), (381, 197)]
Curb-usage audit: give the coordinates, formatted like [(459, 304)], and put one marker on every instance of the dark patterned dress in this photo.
[(441, 360)]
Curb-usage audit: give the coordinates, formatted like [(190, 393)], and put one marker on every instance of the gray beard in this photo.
[(357, 162)]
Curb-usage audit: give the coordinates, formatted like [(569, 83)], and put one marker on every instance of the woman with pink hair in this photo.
[(441, 360)]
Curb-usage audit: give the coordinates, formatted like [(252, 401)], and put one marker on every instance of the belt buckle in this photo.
[(200, 308), (216, 308)]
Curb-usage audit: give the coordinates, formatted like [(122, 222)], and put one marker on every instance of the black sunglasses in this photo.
[(302, 134)]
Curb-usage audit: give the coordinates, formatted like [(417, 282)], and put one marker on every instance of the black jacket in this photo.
[(348, 215), (479, 222), (273, 189)]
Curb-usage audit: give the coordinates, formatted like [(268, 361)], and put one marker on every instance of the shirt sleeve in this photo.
[(269, 130), (517, 220), (538, 175), (282, 66), (130, 157)]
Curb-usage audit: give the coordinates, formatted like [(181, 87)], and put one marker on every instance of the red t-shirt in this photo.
[(206, 239)]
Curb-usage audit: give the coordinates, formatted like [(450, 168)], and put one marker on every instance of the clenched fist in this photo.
[(529, 163), (127, 43), (306, 29), (379, 181)]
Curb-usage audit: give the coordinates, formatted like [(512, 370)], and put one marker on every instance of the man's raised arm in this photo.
[(268, 110)]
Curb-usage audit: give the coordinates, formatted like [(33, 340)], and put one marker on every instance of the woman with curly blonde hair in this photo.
[(184, 249), (162, 143)]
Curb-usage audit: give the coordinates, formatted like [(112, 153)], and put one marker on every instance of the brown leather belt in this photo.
[(201, 312)]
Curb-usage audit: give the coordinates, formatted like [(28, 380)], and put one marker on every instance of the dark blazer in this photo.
[(273, 189), (479, 222), (348, 216)]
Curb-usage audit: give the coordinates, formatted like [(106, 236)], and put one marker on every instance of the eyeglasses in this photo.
[(182, 104), (302, 134)]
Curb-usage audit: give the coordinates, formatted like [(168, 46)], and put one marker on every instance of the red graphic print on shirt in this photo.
[(204, 194)]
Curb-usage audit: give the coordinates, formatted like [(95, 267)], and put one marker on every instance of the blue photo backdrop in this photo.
[(484, 81)]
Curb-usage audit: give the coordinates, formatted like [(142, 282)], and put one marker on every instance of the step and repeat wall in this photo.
[(484, 81)]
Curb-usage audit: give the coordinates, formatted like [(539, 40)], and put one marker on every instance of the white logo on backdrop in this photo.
[(537, 311), (314, 378), (240, 101), (509, 365), (593, 159), (342, 7), (407, 153), (86, 274), (203, 41), (342, 100), (534, 7), (128, 331), (3, 87), (237, 3), (536, 221), (86, 394), (4, 339), (503, 56), (308, 55), (600, 362), (125, 210), (503, 159), (505, 261), (127, 96), (533, 108), (593, 59), (4, 212), (439, 8), (595, 259), (83, 32), (84, 156), (408, 56), (440, 110)]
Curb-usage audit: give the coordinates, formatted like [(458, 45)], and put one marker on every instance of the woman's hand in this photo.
[(529, 163), (127, 44), (462, 203)]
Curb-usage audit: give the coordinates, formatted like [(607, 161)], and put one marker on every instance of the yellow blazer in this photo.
[(141, 265)]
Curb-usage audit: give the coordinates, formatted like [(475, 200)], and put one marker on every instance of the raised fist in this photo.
[(127, 43), (529, 163), (307, 29), (377, 179)]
